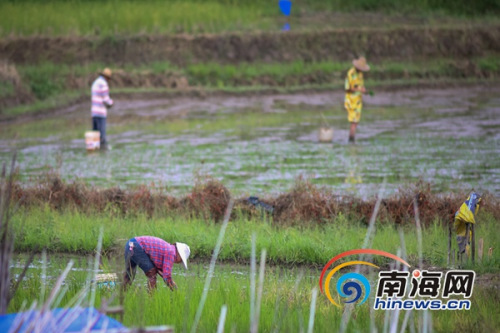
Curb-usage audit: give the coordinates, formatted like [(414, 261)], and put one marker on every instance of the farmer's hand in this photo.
[(363, 90), (172, 285)]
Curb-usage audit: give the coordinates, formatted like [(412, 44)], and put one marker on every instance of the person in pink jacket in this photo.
[(100, 103)]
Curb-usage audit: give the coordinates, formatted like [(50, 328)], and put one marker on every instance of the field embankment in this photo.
[(52, 70), (49, 60), (305, 228), (227, 48), (304, 204)]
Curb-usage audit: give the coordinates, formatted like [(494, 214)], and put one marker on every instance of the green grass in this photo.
[(55, 231), (285, 302), (285, 305), (112, 17), (328, 72)]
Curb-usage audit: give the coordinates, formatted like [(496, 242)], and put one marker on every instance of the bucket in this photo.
[(92, 140), (325, 134)]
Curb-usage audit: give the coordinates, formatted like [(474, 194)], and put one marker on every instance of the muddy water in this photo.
[(82, 270), (260, 144)]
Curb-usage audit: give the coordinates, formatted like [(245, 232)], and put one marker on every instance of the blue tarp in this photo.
[(80, 319)]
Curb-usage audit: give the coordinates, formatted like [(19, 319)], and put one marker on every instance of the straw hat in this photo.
[(184, 252), (361, 64), (107, 72)]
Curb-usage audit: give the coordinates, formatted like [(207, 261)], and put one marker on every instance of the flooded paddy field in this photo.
[(259, 144)]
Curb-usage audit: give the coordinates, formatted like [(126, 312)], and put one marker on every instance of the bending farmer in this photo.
[(100, 103), (354, 89), (464, 218), (154, 256)]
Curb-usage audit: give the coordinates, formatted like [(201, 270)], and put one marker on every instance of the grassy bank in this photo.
[(124, 17), (309, 245)]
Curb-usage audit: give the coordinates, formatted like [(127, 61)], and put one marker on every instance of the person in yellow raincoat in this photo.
[(466, 215), (354, 89)]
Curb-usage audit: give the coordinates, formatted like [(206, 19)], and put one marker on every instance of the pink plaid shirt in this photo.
[(100, 97), (161, 253)]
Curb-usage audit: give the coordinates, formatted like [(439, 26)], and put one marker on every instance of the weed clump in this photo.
[(305, 202), (208, 199), (51, 190)]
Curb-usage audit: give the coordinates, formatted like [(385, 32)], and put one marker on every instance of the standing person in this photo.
[(154, 256), (100, 103), (354, 90)]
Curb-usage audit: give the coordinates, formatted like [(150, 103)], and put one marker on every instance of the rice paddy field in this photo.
[(247, 124), (285, 304), (258, 144)]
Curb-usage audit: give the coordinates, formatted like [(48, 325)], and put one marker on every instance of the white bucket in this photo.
[(325, 134), (92, 140)]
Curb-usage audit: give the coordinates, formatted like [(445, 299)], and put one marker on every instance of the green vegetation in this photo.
[(285, 303), (125, 17), (329, 72), (6, 89), (112, 17), (55, 231), (460, 7), (54, 85)]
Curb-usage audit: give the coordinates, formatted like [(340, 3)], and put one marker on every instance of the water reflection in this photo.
[(353, 167)]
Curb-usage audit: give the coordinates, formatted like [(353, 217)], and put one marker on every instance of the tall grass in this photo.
[(125, 17), (55, 231), (74, 17)]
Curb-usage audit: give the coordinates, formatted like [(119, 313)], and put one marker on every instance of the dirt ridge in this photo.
[(337, 44)]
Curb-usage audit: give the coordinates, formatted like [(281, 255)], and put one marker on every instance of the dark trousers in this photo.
[(135, 256), (99, 124)]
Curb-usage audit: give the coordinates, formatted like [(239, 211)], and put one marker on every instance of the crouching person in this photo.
[(464, 222), (154, 256)]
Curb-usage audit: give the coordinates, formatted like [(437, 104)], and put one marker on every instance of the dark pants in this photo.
[(99, 124), (135, 256)]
